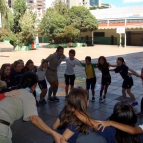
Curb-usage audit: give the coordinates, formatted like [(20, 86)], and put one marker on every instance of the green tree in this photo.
[(52, 24), (19, 8), (82, 19)]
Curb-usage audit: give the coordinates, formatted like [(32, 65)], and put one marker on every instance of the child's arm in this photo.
[(122, 127), (92, 123), (56, 124), (134, 73), (67, 134), (112, 65)]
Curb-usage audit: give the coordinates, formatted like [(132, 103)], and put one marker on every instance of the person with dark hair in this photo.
[(29, 66), (54, 61), (71, 62), (67, 124), (41, 71), (123, 113), (104, 66), (128, 80), (23, 105), (5, 74), (16, 73), (22, 63), (90, 75)]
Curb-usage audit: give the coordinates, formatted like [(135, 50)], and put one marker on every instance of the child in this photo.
[(141, 112), (67, 123), (103, 66), (16, 73), (22, 64), (90, 75), (128, 81), (5, 74), (29, 66), (41, 71), (69, 71)]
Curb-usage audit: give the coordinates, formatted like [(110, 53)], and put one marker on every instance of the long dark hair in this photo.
[(122, 60), (124, 113), (2, 74), (77, 99), (105, 65), (27, 64)]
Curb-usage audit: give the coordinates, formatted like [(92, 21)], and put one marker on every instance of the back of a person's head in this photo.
[(77, 99), (3, 85), (124, 113), (28, 80)]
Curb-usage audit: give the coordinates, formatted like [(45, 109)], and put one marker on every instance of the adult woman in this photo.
[(123, 113), (54, 61), (12, 109)]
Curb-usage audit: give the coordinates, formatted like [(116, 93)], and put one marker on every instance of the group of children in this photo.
[(74, 117)]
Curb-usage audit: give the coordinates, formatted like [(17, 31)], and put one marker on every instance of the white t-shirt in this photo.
[(141, 126), (70, 64), (41, 74)]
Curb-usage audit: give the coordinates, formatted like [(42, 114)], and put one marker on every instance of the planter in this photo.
[(23, 48), (6, 41)]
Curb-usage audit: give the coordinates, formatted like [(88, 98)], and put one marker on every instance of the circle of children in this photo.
[(74, 119)]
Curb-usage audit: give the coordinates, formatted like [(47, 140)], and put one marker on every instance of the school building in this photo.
[(130, 18)]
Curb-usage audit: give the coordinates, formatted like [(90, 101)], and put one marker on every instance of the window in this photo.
[(99, 34)]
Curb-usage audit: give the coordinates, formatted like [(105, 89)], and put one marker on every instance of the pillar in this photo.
[(92, 38), (120, 45), (125, 43)]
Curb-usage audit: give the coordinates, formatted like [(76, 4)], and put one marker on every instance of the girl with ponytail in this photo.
[(128, 80)]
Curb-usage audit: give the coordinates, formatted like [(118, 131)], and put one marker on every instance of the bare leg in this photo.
[(131, 94), (124, 93), (71, 88), (43, 94), (105, 90), (67, 89), (101, 90)]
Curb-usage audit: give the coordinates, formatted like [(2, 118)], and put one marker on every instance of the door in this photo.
[(112, 40)]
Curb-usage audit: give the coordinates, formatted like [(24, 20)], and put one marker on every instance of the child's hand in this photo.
[(13, 93), (103, 124)]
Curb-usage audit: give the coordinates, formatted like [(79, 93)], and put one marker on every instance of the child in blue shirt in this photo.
[(67, 123)]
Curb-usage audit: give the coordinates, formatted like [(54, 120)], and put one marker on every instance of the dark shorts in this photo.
[(127, 83), (69, 79), (42, 84), (90, 83), (106, 80)]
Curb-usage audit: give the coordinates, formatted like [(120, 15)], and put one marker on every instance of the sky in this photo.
[(116, 3)]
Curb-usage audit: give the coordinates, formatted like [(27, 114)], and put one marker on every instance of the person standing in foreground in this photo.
[(54, 61), (90, 75), (71, 62), (12, 109), (128, 80)]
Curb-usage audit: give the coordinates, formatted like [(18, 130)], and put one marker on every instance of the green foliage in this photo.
[(82, 19), (19, 8), (52, 24), (70, 34), (3, 33)]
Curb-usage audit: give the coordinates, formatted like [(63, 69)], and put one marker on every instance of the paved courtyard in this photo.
[(25, 132)]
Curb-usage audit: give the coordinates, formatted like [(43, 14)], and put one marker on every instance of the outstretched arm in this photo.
[(122, 127), (134, 73), (92, 123), (112, 65)]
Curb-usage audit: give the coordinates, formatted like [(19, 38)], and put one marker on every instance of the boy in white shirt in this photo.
[(71, 62)]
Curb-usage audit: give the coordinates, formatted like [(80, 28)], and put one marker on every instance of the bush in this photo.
[(3, 34)]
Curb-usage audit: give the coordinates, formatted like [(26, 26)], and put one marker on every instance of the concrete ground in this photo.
[(25, 132)]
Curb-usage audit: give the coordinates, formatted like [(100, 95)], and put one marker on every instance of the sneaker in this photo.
[(100, 99), (93, 99), (140, 114), (41, 102), (44, 101), (56, 98), (134, 103), (51, 99), (103, 100)]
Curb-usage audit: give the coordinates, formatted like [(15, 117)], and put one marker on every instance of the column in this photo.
[(125, 42), (120, 45), (92, 38)]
